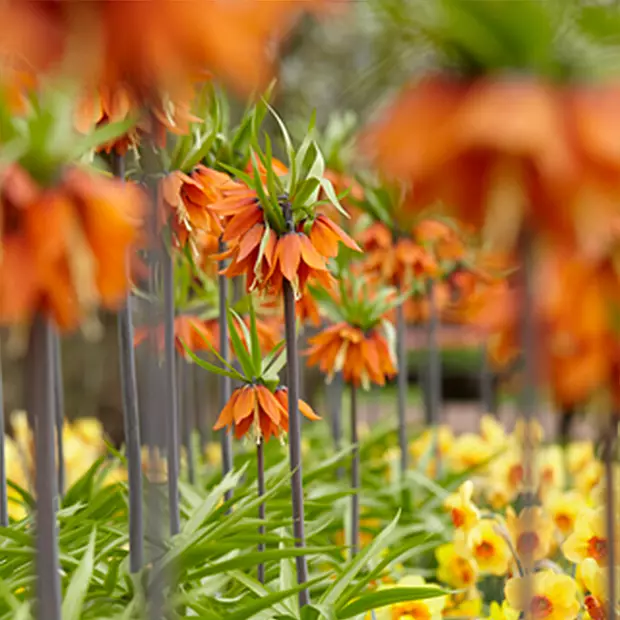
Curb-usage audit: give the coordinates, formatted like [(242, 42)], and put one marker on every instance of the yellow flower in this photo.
[(589, 477), (463, 605), (531, 532), (115, 476), (23, 437), (154, 465), (16, 473), (89, 430), (213, 453), (454, 569), (79, 454), (564, 508), (536, 432), (465, 515), (488, 547), (595, 580), (550, 469), (468, 451), (506, 480), (493, 432), (424, 609), (419, 447), (589, 538), (553, 596), (578, 455), (502, 613)]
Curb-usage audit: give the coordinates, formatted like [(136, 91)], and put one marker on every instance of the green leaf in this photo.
[(239, 348), (268, 600), (78, 587), (389, 596), (257, 358), (216, 370), (102, 134), (229, 482), (290, 151), (328, 188), (337, 588)]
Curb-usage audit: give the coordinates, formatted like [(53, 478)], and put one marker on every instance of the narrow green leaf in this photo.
[(389, 596), (78, 587), (337, 588), (239, 348), (257, 358)]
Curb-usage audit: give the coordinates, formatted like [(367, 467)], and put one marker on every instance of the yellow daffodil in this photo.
[(595, 580), (578, 455), (531, 532), (213, 453), (468, 451), (551, 472), (507, 479), (465, 514), (589, 538), (424, 609), (503, 612), (454, 569), (16, 473), (420, 447), (493, 432), (551, 596), (564, 508), (154, 465), (587, 479), (535, 432), (463, 605), (487, 547)]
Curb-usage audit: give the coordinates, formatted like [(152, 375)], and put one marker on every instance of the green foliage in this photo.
[(209, 567)]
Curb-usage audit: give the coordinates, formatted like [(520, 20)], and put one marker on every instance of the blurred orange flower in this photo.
[(154, 44), (64, 248), (508, 151)]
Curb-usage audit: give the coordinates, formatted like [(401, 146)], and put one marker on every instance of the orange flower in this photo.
[(401, 264), (307, 310), (64, 248), (110, 104), (196, 333), (576, 350), (325, 236), (255, 407), (443, 239), (362, 357), (502, 151), (100, 41)]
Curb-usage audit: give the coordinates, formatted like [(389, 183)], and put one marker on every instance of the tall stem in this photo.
[(292, 370), (487, 388), (225, 383), (528, 393), (434, 358), (355, 477), (260, 467), (41, 404), (403, 376), (172, 418), (187, 405), (4, 508), (333, 395), (131, 422), (59, 410), (611, 502)]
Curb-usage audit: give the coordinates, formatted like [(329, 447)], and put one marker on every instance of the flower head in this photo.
[(531, 532), (456, 570), (553, 596), (465, 514), (487, 547)]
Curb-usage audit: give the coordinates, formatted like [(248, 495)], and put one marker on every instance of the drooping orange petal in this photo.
[(289, 255), (241, 223), (309, 254), (244, 407), (226, 416), (343, 237), (268, 403), (250, 240), (306, 410)]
